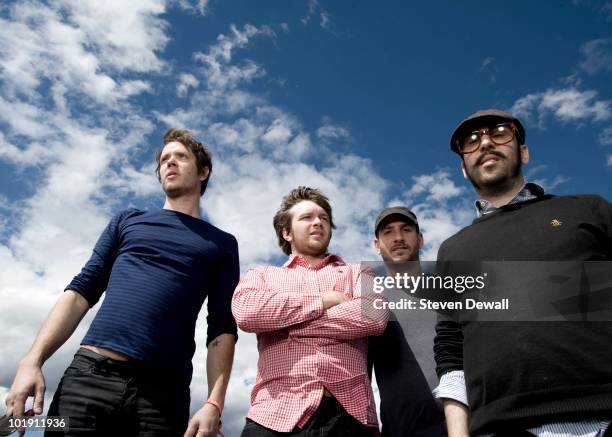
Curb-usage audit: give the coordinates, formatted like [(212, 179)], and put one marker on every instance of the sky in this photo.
[(358, 99)]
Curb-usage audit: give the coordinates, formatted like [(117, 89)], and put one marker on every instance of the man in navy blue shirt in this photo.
[(132, 373)]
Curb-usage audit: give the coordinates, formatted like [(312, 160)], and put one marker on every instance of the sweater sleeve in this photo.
[(92, 281), (604, 209), (220, 319), (448, 342)]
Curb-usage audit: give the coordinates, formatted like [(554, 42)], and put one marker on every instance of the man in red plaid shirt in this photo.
[(312, 322)]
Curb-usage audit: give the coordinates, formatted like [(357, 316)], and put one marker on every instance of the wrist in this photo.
[(215, 404), (31, 360)]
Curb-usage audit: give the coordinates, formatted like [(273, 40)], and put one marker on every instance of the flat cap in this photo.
[(477, 118)]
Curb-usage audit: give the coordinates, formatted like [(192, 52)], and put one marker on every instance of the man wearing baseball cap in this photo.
[(402, 356), (523, 378)]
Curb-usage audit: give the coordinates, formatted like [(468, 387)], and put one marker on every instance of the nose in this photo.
[(485, 141), (171, 161)]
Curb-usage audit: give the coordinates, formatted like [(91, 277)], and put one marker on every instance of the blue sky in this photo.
[(356, 98)]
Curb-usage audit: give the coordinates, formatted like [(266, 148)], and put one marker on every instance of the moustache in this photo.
[(488, 154)]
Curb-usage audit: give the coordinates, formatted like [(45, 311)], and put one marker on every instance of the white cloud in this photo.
[(312, 7), (284, 26), (535, 173), (441, 206), (566, 105), (25, 119), (550, 184), (605, 137), (609, 161), (77, 44), (437, 186), (277, 133), (486, 62), (597, 55), (126, 35), (33, 154), (217, 70), (324, 16), (332, 132), (325, 20), (186, 81), (606, 9), (199, 6)]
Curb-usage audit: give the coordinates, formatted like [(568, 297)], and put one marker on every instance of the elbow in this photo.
[(378, 322), (247, 320), (245, 325), (241, 316), (378, 327), (244, 321)]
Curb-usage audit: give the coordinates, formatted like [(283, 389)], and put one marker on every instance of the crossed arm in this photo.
[(257, 308), (351, 319)]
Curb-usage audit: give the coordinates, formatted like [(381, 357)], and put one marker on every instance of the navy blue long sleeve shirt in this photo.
[(157, 268)]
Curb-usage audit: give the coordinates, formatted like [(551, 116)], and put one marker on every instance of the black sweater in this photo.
[(523, 374)]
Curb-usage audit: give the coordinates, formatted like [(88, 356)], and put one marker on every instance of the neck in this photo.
[(412, 268), (501, 195), (312, 259), (187, 204)]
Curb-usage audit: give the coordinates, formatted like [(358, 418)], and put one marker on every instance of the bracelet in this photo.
[(216, 404)]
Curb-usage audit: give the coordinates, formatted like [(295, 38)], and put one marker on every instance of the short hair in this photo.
[(202, 154), (282, 218)]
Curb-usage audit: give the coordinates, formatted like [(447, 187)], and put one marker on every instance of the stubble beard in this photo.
[(414, 256), (318, 250), (498, 184)]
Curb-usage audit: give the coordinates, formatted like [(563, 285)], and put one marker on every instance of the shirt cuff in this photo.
[(452, 386)]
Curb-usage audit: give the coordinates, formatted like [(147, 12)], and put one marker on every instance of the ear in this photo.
[(524, 154), (376, 244), (465, 176), (204, 174), (421, 241), (287, 235)]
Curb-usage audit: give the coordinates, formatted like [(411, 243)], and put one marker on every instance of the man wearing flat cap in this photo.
[(523, 378), (402, 356)]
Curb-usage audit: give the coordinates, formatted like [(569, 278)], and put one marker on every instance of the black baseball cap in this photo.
[(402, 211)]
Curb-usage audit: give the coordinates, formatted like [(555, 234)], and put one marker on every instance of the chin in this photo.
[(173, 192), (317, 249), (492, 179)]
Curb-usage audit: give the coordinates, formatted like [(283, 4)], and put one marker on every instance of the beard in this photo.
[(175, 191), (499, 182), (389, 258), (302, 245)]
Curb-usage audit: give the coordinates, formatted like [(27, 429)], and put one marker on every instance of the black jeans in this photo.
[(104, 397), (330, 419)]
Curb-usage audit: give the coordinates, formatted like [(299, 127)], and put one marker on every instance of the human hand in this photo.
[(204, 423), (333, 298), (29, 381)]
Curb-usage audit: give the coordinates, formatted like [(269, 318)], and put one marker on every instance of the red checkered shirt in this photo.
[(303, 348)]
